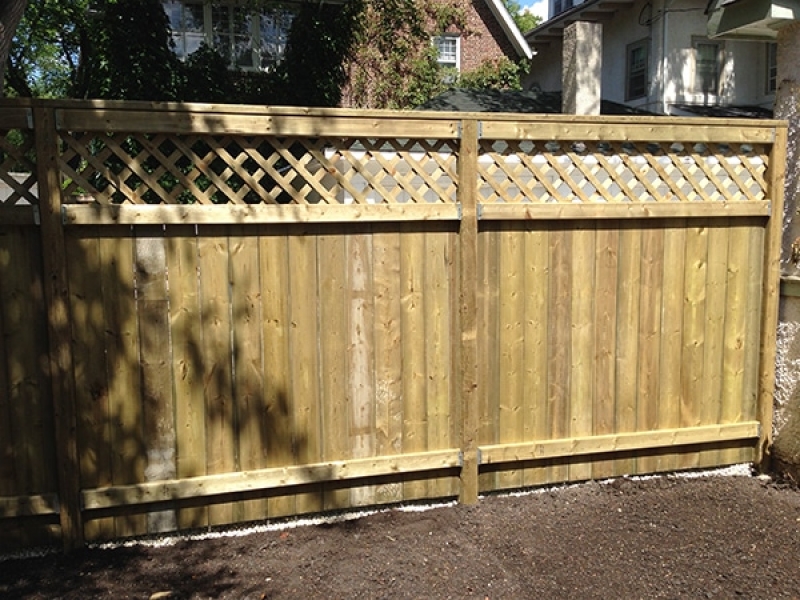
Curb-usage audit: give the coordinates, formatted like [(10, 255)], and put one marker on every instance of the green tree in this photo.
[(524, 19), (11, 12)]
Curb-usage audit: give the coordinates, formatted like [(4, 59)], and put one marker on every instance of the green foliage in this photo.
[(502, 74), (394, 64), (133, 58), (365, 53), (44, 60)]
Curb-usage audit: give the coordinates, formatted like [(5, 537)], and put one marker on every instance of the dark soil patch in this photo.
[(719, 537)]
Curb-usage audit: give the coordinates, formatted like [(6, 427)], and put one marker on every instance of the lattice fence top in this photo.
[(547, 171), (212, 169), (201, 155), (17, 169)]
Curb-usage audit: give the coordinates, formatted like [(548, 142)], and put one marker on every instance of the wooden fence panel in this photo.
[(382, 312), (28, 476)]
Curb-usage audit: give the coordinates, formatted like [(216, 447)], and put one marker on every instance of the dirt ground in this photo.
[(714, 537)]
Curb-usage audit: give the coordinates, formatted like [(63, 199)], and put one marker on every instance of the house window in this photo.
[(636, 72), (187, 23), (772, 68), (560, 6), (449, 49), (249, 39), (707, 67)]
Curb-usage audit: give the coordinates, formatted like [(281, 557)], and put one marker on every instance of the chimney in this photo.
[(581, 70)]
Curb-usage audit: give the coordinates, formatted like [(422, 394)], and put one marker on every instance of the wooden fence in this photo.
[(215, 314)]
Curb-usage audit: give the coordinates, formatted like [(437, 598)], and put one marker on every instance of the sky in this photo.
[(538, 8)]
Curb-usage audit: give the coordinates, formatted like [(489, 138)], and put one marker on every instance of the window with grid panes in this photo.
[(448, 49), (249, 39), (637, 72)]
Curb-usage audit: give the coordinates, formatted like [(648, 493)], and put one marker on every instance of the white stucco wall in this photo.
[(671, 67)]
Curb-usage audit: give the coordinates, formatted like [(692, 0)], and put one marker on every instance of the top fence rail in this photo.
[(123, 158)]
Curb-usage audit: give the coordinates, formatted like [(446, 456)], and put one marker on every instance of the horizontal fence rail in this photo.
[(219, 314)]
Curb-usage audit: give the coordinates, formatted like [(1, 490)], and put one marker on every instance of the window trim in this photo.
[(448, 36), (643, 44)]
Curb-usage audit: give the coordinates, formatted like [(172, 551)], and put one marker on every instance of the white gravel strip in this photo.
[(740, 470)]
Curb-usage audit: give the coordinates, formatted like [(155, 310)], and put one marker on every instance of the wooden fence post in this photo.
[(56, 293), (770, 296), (468, 241)]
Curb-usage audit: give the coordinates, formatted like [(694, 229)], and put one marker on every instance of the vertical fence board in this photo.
[(438, 358), (735, 333), (360, 353), (188, 364), (511, 307), (220, 411), (388, 356), (582, 357), (694, 318), (415, 421), (248, 384), (651, 294), (755, 309), (560, 341), (122, 368), (672, 341), (277, 380), (488, 340), (156, 364), (605, 262), (91, 384), (333, 261), (628, 313), (9, 463), (536, 293), (304, 401), (716, 287)]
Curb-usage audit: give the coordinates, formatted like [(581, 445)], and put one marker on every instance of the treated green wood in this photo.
[(536, 294), (187, 364), (56, 295), (606, 272), (360, 353), (248, 383), (628, 313), (438, 331), (220, 410), (388, 355), (91, 382), (651, 294), (304, 368), (487, 327), (334, 346), (770, 291), (8, 463), (467, 311), (734, 353), (716, 288), (277, 379), (672, 364), (156, 372), (694, 317), (128, 455), (511, 309), (582, 351), (415, 409), (560, 341)]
